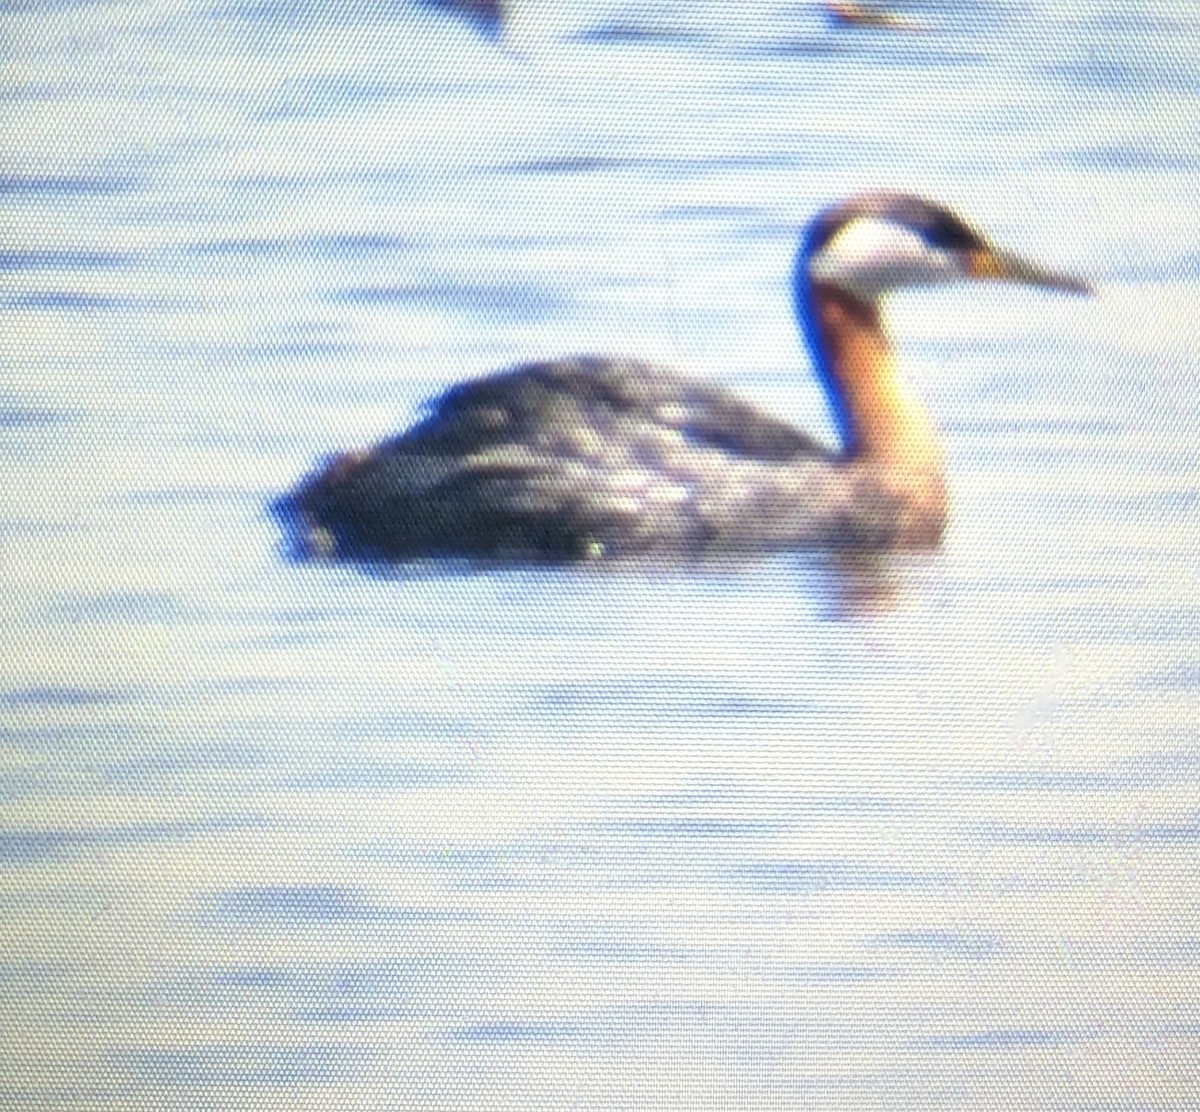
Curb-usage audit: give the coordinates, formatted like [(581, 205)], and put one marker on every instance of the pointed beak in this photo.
[(993, 264)]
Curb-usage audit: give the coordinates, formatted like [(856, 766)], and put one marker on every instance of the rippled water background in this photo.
[(773, 836)]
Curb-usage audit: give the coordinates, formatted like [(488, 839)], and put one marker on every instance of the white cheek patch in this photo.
[(869, 257)]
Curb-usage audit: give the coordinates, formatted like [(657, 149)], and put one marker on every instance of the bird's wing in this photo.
[(541, 404), (558, 457)]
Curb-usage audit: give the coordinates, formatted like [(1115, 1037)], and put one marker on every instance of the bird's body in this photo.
[(586, 457)]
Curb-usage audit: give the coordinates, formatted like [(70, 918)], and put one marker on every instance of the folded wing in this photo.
[(562, 459)]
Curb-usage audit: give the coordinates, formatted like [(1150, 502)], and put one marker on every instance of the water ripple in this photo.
[(26, 847)]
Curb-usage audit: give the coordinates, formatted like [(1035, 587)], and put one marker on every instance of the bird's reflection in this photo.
[(858, 586)]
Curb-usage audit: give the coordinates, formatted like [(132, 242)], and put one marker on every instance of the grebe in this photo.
[(851, 13), (487, 15), (587, 457)]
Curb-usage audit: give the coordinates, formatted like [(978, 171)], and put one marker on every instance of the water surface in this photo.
[(770, 836)]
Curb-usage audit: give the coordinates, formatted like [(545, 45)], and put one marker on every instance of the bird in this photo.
[(587, 458), (851, 13), (488, 16)]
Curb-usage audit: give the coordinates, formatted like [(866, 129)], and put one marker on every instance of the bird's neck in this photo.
[(878, 417)]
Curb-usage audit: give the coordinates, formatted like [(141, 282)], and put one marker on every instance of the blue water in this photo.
[(774, 836)]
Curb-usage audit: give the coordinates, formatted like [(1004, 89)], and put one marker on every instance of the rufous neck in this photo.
[(877, 415)]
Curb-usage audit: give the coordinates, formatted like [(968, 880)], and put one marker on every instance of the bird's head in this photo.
[(880, 242), (851, 256)]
